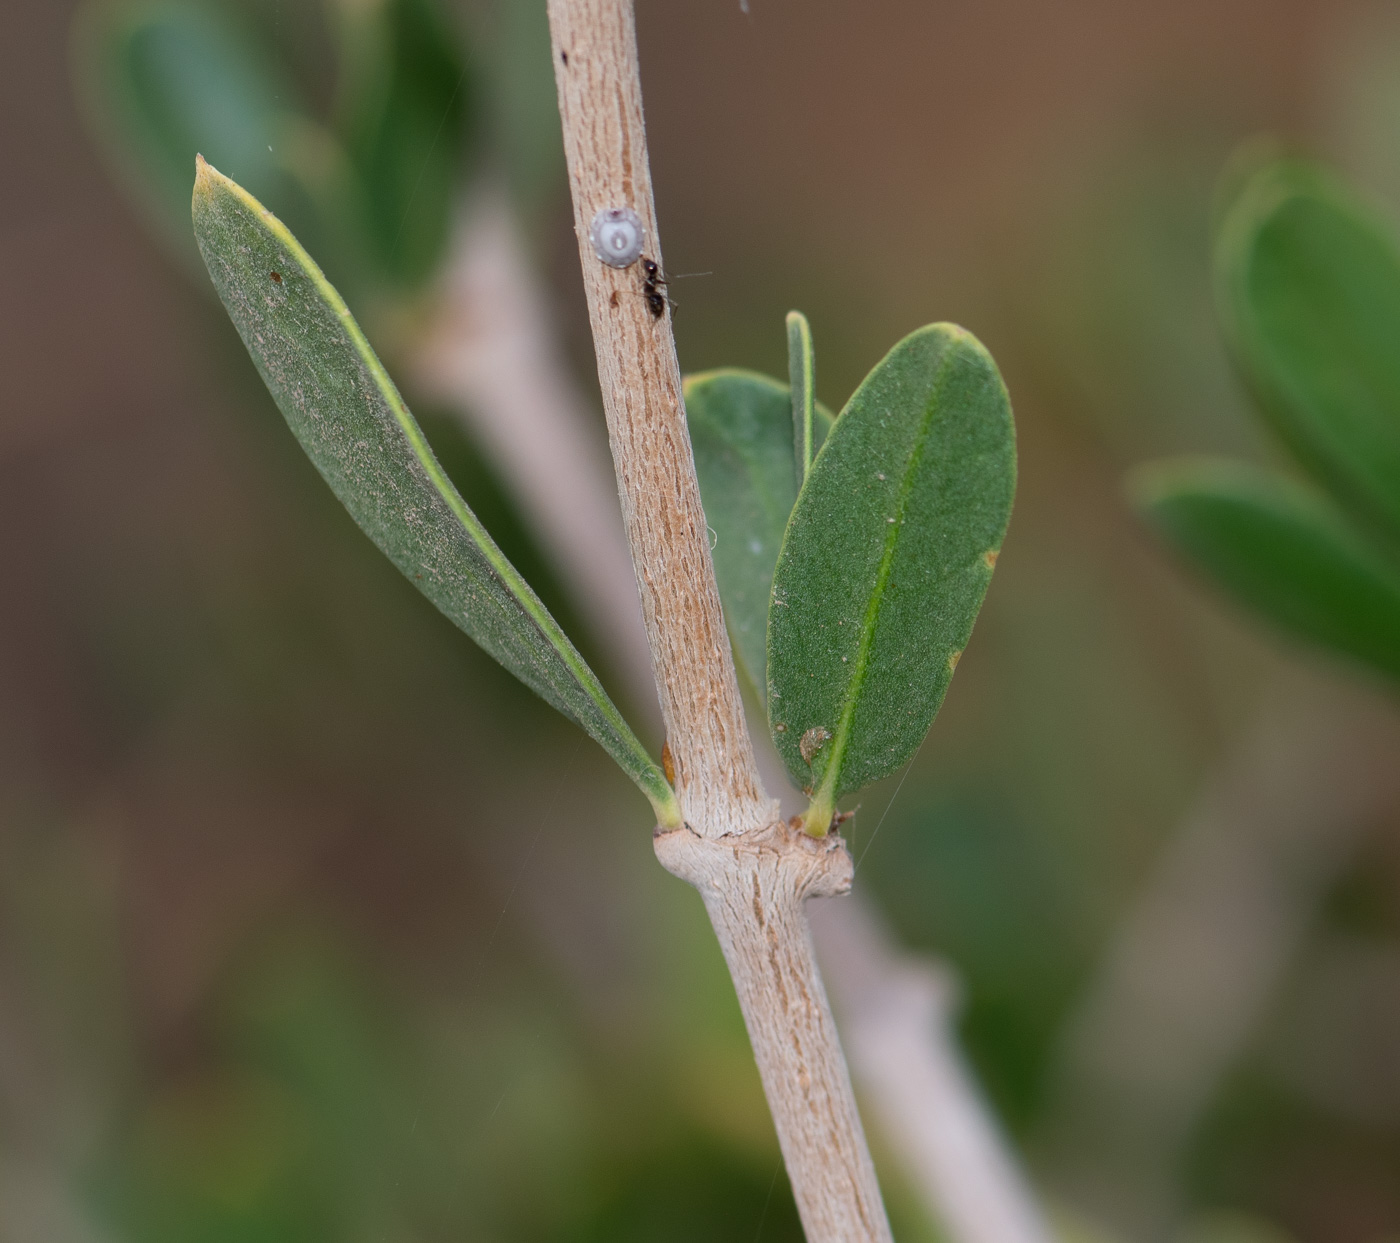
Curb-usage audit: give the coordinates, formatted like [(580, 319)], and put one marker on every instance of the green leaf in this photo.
[(741, 433), (802, 374), (1309, 286), (885, 563), (1281, 551), (741, 430), (350, 419), (406, 103)]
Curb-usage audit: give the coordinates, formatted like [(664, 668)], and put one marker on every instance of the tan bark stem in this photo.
[(754, 888), (600, 103), (753, 871)]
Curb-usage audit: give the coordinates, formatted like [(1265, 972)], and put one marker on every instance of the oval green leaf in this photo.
[(344, 409), (741, 429), (1309, 287), (885, 563), (1281, 551)]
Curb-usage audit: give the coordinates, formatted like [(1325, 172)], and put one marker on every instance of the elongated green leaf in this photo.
[(355, 427), (802, 375), (742, 433), (1309, 283), (885, 563), (1281, 551)]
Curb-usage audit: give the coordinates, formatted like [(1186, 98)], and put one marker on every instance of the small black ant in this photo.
[(652, 286)]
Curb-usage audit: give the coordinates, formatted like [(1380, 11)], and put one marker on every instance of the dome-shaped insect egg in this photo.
[(618, 236)]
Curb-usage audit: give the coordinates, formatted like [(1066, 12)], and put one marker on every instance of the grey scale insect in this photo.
[(618, 236)]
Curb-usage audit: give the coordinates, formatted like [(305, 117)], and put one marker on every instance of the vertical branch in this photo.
[(754, 889), (753, 871), (600, 103)]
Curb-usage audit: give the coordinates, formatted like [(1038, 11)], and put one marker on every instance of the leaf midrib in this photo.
[(841, 741)]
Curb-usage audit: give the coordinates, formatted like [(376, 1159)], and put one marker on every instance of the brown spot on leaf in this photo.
[(276, 277), (953, 661), (813, 741), (990, 558)]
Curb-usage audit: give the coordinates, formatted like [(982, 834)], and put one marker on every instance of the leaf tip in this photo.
[(205, 175), (208, 182)]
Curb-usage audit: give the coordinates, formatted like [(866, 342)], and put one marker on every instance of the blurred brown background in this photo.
[(310, 913)]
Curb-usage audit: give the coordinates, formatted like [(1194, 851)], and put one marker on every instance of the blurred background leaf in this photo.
[(1310, 299), (1308, 282), (165, 81), (368, 182), (408, 107), (1281, 551)]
